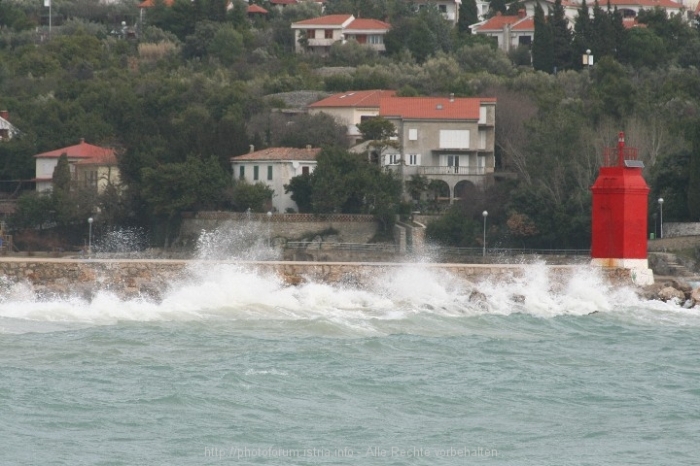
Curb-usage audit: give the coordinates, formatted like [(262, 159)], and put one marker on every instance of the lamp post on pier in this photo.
[(90, 220), (661, 217), (485, 214)]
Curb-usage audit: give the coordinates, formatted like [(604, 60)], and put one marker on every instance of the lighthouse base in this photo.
[(640, 273)]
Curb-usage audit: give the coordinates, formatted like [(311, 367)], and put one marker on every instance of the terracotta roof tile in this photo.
[(496, 23), (432, 108), (526, 24), (83, 150), (645, 3), (279, 154), (364, 24), (354, 99), (330, 20), (152, 3), (256, 9)]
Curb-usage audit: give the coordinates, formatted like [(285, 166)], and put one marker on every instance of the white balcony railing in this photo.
[(455, 170)]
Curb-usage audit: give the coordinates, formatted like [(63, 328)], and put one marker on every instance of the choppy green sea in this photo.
[(236, 368)]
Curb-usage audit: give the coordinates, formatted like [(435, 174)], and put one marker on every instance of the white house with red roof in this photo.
[(7, 129), (275, 167), (510, 31), (318, 34), (442, 138), (628, 8), (351, 108), (91, 166)]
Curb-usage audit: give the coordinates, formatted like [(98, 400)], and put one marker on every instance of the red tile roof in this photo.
[(85, 151), (354, 99), (330, 20), (256, 9), (496, 23), (279, 154), (432, 108), (645, 3), (152, 3), (527, 24), (364, 24)]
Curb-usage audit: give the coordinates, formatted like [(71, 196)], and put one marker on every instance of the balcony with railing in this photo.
[(458, 171)]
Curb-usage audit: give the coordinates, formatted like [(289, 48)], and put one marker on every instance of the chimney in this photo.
[(308, 147), (522, 13), (82, 140), (452, 96), (251, 149), (498, 13), (5, 115)]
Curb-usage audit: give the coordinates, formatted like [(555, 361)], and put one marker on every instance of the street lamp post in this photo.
[(661, 217), (485, 214), (269, 217), (90, 220), (588, 58)]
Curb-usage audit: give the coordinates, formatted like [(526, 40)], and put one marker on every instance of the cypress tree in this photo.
[(542, 44), (561, 37), (694, 175), (583, 39), (468, 15)]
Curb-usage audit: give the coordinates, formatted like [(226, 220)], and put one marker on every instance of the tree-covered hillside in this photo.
[(193, 85)]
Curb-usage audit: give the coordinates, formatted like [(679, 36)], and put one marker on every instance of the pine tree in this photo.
[(542, 44)]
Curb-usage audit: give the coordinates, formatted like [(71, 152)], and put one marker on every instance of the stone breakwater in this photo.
[(50, 278)]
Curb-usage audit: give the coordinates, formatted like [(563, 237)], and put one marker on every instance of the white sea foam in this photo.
[(232, 293)]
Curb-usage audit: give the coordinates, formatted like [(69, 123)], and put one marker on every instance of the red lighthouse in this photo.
[(620, 197)]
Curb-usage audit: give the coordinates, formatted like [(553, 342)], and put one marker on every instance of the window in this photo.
[(376, 39), (454, 139), (525, 40), (412, 134), (241, 172), (328, 33), (453, 163), (304, 170), (394, 159), (413, 159), (482, 115), (482, 139), (443, 9), (269, 172), (311, 33), (481, 165), (256, 172)]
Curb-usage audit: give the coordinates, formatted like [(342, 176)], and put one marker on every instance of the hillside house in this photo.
[(447, 139), (448, 8), (318, 34), (351, 108), (275, 167), (90, 166), (628, 8), (511, 31), (7, 129)]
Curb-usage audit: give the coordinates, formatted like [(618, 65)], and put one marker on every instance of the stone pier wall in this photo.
[(150, 278)]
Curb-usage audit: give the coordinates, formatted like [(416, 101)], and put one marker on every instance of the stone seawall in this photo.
[(151, 278)]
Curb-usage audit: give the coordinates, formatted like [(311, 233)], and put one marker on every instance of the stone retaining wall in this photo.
[(288, 227), (150, 278)]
